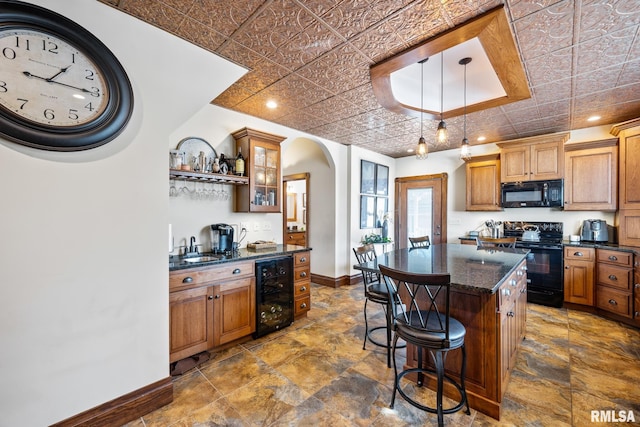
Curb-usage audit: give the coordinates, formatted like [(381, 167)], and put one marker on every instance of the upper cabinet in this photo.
[(262, 165), (483, 183), (591, 176), (628, 217), (629, 136), (533, 159)]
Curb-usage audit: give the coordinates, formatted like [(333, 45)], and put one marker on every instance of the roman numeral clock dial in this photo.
[(60, 87)]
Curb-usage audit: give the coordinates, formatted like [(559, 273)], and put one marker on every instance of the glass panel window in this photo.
[(419, 212)]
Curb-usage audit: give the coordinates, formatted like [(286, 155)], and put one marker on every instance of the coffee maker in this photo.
[(221, 239)]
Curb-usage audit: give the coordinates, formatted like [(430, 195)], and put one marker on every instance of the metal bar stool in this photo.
[(421, 317), (376, 292)]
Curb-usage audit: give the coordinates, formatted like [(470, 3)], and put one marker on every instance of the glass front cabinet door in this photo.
[(262, 164)]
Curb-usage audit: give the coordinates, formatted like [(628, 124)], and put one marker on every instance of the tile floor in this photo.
[(315, 373)]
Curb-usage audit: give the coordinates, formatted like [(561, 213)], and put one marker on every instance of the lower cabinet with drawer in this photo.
[(210, 306), (301, 283), (614, 286), (579, 275)]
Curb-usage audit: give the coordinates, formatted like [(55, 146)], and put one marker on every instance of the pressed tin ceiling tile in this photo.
[(224, 16), (200, 34), (155, 13), (316, 55), (546, 31), (378, 42), (351, 17), (610, 49), (599, 17)]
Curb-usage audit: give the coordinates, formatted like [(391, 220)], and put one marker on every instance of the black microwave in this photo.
[(532, 194)]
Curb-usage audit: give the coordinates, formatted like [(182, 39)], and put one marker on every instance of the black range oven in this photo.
[(545, 283)]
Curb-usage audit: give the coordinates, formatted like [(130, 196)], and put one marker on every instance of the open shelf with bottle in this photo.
[(208, 177)]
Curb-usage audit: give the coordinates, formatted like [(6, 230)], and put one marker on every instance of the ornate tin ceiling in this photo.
[(313, 57)]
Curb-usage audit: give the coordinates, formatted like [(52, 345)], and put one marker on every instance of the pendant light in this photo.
[(442, 136), (465, 149), (423, 149)]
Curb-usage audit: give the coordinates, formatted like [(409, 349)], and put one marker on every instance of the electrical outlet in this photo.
[(266, 226), (244, 225), (455, 221), (256, 226)]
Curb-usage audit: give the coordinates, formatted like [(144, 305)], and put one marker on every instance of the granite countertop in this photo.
[(243, 254), (471, 268), (603, 245)]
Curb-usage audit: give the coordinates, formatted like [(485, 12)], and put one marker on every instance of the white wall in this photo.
[(84, 277)]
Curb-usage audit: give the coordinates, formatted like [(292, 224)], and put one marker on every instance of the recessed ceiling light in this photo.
[(593, 118), (272, 104), (481, 138)]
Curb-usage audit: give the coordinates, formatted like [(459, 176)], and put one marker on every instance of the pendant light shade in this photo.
[(442, 135), (422, 151), (465, 151)]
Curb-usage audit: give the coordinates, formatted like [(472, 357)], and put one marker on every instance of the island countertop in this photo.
[(479, 270)]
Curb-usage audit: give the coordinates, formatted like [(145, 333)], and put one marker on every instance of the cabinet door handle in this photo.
[(236, 271), (291, 237), (519, 273), (187, 279), (303, 259), (303, 305), (210, 297), (612, 277), (217, 296), (513, 282), (302, 289), (613, 302), (577, 254), (506, 292), (566, 267), (613, 258), (511, 314), (637, 285), (303, 274)]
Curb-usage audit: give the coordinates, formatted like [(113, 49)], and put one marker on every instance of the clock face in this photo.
[(61, 88), (49, 81)]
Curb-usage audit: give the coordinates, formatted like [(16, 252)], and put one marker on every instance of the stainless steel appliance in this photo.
[(545, 283), (594, 230), (532, 194), (274, 293), (222, 239)]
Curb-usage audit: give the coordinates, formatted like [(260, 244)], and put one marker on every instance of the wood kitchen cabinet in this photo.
[(483, 183), (301, 283), (579, 275), (636, 292), (263, 167), (210, 306), (532, 159), (190, 322), (628, 217), (614, 288), (591, 176), (234, 310)]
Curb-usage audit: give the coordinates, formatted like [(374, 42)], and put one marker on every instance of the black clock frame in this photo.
[(19, 15)]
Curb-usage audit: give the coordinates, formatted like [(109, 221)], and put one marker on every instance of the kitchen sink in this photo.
[(204, 258)]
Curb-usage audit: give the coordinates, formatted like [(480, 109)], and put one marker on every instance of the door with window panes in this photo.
[(421, 209)]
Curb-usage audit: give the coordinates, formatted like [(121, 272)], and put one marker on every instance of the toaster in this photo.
[(594, 230)]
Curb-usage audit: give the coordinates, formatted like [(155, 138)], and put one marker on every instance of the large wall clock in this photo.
[(61, 88)]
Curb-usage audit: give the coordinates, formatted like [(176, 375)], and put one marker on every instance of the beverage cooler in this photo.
[(274, 293)]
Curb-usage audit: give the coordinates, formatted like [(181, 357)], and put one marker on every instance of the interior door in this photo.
[(421, 208)]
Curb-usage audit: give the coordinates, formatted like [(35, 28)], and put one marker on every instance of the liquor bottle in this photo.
[(240, 163)]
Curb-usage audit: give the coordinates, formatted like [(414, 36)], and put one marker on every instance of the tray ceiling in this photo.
[(313, 57)]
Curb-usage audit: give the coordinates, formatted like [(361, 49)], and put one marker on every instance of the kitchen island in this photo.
[(488, 295)]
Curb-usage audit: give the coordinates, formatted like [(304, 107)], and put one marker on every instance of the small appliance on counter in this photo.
[(594, 230), (222, 239)]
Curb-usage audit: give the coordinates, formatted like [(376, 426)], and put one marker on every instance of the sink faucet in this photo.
[(193, 248)]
